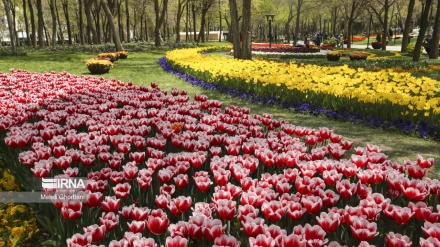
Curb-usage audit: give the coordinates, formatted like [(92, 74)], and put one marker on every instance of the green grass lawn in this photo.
[(142, 68)]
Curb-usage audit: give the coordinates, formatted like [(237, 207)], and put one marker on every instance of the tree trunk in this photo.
[(194, 21), (54, 22), (385, 26), (33, 26), (40, 24), (220, 20), (298, 13), (59, 23), (108, 13), (435, 35), (26, 23), (127, 21), (246, 50), (423, 27), (181, 4), (81, 22), (65, 4), (97, 19), (406, 30), (92, 35), (235, 32), (11, 28), (160, 18)]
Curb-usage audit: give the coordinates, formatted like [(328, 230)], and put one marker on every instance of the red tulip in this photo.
[(424, 163), (179, 229), (194, 227), (139, 213), (314, 235), (294, 240), (414, 189), (429, 242), (176, 241), (431, 230), (273, 210), (122, 190), (226, 241), (181, 181), (331, 177), (96, 231), (144, 182), (158, 222), (94, 199), (110, 204), (144, 242), (71, 210), (110, 220), (397, 240), (295, 210), (130, 172), (312, 204), (136, 226), (346, 189), (262, 241), (253, 226), (363, 230), (202, 183), (80, 240), (212, 228), (329, 222)]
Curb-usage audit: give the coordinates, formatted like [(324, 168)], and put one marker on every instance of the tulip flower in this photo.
[(110, 220), (80, 240), (176, 241), (363, 230), (157, 222), (96, 231), (393, 240), (71, 210)]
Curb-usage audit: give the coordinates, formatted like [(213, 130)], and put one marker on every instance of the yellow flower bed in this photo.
[(385, 92), (17, 222)]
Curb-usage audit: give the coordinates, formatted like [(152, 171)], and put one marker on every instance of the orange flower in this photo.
[(177, 127)]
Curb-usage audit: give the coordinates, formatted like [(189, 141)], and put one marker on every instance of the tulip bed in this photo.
[(394, 100), (164, 169)]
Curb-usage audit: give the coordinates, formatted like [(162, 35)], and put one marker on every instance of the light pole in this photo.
[(269, 18)]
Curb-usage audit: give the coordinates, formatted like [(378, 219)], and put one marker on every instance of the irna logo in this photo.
[(64, 183)]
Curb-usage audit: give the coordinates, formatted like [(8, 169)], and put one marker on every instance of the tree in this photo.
[(181, 5), (26, 23), (435, 35), (40, 24), (405, 38), (423, 27), (108, 13), (6, 4), (298, 13), (127, 20), (352, 9), (241, 39), (160, 18), (54, 22), (90, 27), (206, 4)]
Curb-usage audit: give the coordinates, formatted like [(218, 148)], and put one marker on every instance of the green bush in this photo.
[(410, 49), (378, 37)]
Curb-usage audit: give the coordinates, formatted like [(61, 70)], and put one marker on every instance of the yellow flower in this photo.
[(18, 208), (18, 231)]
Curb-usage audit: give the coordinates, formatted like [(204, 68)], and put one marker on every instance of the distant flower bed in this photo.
[(256, 45), (357, 56), (284, 55), (286, 49), (366, 93)]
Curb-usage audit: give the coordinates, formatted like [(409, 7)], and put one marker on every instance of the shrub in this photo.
[(410, 48), (379, 37), (358, 56), (330, 42), (334, 55)]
